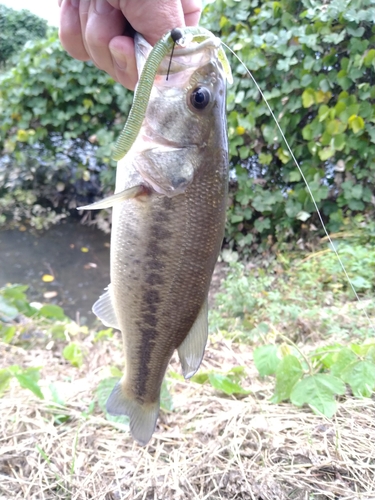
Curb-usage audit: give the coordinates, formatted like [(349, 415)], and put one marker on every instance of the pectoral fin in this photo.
[(142, 416), (191, 350), (108, 202), (104, 310)]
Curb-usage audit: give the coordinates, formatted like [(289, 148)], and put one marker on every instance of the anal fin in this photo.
[(191, 350), (104, 310), (142, 416)]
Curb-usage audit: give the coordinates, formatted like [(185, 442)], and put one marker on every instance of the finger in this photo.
[(153, 19), (101, 23), (124, 63), (70, 30), (192, 10)]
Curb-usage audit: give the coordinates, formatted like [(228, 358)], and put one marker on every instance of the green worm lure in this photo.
[(146, 80)]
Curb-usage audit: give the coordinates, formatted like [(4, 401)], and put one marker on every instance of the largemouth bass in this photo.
[(167, 228)]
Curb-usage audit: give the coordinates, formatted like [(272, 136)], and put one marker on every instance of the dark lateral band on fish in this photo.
[(146, 80)]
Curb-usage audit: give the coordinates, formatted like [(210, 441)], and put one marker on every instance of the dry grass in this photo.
[(210, 447)]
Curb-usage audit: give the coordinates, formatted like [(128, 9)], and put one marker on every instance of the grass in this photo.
[(300, 296), (209, 445)]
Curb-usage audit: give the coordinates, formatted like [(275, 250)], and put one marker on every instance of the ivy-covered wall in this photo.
[(58, 120), (314, 61), (16, 27)]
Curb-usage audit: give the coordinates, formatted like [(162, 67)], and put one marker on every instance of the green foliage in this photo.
[(73, 353), (166, 399), (319, 392), (52, 312), (226, 383), (106, 334), (316, 68), (316, 380), (13, 301), (27, 378), (266, 359), (297, 295), (297, 300), (20, 205), (58, 120), (16, 28), (30, 324)]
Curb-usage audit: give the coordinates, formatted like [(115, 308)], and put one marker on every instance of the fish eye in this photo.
[(200, 97)]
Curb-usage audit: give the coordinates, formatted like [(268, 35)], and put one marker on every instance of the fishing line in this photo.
[(170, 60), (307, 186)]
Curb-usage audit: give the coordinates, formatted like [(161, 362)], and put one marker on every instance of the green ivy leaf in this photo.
[(323, 112), (370, 353), (369, 58), (7, 310), (104, 334), (361, 284), (339, 142), (361, 378), (303, 216), (225, 384), (51, 311), (115, 372), (295, 176), (28, 379), (236, 218), (335, 127), (344, 358), (266, 359), (166, 400), (73, 353), (356, 123), (265, 159), (262, 224), (318, 391), (7, 333), (15, 292), (308, 98), (5, 377), (200, 378), (288, 372), (326, 153), (327, 355)]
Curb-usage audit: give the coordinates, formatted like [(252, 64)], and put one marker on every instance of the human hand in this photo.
[(94, 29)]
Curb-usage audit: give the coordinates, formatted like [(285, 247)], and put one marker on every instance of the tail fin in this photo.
[(142, 417)]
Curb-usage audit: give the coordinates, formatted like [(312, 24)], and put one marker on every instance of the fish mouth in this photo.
[(183, 56), (212, 42)]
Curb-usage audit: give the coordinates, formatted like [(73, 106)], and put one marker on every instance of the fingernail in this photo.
[(119, 58), (75, 3), (103, 7)]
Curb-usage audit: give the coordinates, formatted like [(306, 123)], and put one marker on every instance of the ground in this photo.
[(209, 447)]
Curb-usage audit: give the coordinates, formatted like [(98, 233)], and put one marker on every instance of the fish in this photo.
[(168, 219)]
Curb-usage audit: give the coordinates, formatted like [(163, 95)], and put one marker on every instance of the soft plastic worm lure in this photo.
[(146, 80)]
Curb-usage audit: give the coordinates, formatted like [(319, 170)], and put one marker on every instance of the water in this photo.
[(79, 276)]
